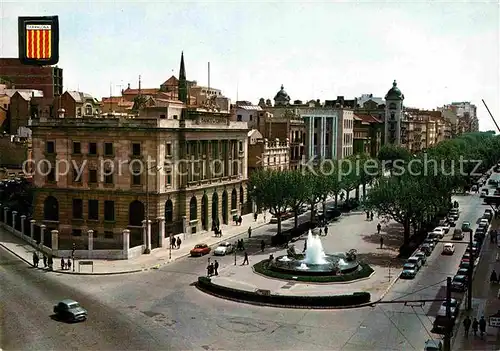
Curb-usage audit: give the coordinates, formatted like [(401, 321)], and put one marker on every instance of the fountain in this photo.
[(315, 261)]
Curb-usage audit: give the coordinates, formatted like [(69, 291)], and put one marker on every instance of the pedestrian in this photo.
[(216, 267), (381, 242), (179, 242), (265, 221), (50, 262), (379, 227), (212, 268), (255, 215), (249, 232), (367, 215), (69, 263), (245, 260), (482, 326), (35, 259), (208, 270), (326, 230), (493, 277), (467, 323), (63, 264), (262, 245), (220, 233), (44, 261), (172, 242), (371, 216), (320, 232), (475, 326), (242, 245)]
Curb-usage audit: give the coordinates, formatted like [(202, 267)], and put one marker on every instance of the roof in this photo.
[(112, 99), (68, 301), (250, 108), (78, 96), (149, 91), (172, 81), (368, 97), (25, 93), (366, 118), (254, 133)]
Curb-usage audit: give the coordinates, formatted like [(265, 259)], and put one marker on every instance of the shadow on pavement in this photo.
[(381, 259), (392, 234)]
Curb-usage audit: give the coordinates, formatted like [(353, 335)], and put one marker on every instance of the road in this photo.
[(160, 309)]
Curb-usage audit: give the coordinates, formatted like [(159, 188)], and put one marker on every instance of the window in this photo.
[(168, 149), (109, 210), (108, 178), (315, 139), (51, 147), (76, 232), (136, 176), (108, 149), (92, 148), (239, 118), (176, 117), (136, 149), (51, 175), (168, 178), (92, 176), (77, 176), (163, 116), (79, 112), (88, 110), (315, 123), (250, 117), (77, 147), (77, 209), (94, 209), (108, 234)]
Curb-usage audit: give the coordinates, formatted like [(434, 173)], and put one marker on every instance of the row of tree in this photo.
[(418, 189)]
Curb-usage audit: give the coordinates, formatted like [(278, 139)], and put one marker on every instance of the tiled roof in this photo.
[(78, 96), (25, 93), (171, 81), (143, 91), (112, 100), (367, 118), (251, 108)]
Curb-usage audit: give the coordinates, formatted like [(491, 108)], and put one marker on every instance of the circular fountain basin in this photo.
[(288, 265)]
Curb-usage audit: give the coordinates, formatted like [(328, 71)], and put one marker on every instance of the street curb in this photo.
[(138, 270), (17, 255)]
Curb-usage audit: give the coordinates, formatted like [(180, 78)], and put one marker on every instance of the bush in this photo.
[(357, 298), (364, 272)]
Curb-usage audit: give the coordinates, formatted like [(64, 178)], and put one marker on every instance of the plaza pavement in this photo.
[(351, 231)]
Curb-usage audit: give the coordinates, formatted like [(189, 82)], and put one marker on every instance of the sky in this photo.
[(438, 52)]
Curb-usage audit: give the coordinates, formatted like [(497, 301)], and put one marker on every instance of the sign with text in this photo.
[(495, 321), (38, 40)]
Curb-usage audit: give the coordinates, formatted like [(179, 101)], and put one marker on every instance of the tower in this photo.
[(182, 86), (393, 115)]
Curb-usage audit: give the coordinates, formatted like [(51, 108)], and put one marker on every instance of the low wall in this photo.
[(259, 297)]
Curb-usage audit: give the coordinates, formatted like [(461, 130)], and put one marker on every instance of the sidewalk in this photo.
[(484, 303), (157, 258)]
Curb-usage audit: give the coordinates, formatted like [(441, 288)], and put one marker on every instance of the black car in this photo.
[(459, 283)]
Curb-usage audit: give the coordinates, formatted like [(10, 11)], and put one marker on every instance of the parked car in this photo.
[(70, 310), (445, 225), (224, 249), (422, 256), (415, 260), (466, 227), (442, 311), (457, 235), (433, 345), (434, 237), (473, 249), (488, 216), (409, 270), (439, 231), (484, 223), (200, 250), (463, 271), (426, 248), (464, 264), (459, 283), (448, 249), (454, 214), (484, 193), (430, 243)]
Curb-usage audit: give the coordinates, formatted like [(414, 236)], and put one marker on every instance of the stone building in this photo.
[(185, 165), (394, 116), (266, 154), (368, 134), (78, 104)]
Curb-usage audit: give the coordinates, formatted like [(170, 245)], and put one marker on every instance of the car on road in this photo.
[(200, 250), (430, 243), (425, 247), (463, 271), (409, 270), (474, 250), (439, 231), (445, 225), (421, 255), (70, 310), (442, 311), (454, 214), (483, 223), (459, 283), (434, 237), (464, 264), (484, 193), (448, 249), (466, 227), (224, 249), (433, 345), (457, 234), (415, 260)]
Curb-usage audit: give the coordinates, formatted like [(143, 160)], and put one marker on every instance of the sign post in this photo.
[(494, 320)]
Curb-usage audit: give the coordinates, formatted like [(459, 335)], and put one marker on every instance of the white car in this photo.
[(439, 231), (224, 249), (448, 249), (445, 225), (416, 261)]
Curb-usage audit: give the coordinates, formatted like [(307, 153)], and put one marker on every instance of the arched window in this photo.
[(88, 110), (169, 211), (51, 209), (234, 200), (242, 194), (193, 209), (392, 106), (135, 213)]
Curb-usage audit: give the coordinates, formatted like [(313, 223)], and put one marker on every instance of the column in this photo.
[(14, 215), (334, 137), (23, 220), (90, 239), (144, 234), (148, 236), (32, 227), (5, 212), (55, 240), (311, 139), (42, 233), (126, 240), (161, 231), (184, 226), (323, 137)]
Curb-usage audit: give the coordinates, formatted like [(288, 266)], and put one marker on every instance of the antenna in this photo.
[(208, 75), (493, 118)]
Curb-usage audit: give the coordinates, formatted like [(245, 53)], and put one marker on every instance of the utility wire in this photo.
[(416, 291), (397, 328), (421, 322)]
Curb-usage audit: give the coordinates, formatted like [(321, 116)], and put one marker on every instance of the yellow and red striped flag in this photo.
[(38, 41)]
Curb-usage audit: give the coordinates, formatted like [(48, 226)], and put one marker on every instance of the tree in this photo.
[(299, 193), (271, 190), (349, 177), (390, 155), (319, 188)]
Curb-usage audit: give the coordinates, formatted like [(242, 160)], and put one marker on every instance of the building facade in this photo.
[(394, 115), (265, 154), (78, 104), (368, 134)]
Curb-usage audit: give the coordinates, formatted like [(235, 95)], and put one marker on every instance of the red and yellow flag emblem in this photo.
[(38, 41)]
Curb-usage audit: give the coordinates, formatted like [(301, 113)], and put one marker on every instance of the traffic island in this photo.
[(265, 297)]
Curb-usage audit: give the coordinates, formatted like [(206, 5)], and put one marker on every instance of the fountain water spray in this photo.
[(314, 252)]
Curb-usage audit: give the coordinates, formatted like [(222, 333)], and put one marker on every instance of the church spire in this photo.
[(182, 87)]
